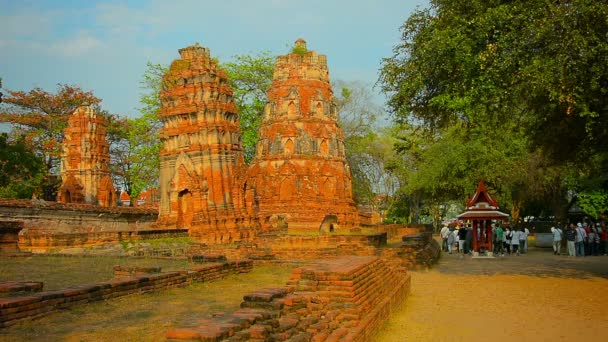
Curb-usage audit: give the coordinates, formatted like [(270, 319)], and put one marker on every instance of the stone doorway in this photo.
[(329, 224), (185, 211)]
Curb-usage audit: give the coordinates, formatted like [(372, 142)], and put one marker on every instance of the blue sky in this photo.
[(103, 46)]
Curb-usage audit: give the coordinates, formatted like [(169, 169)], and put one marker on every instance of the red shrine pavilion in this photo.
[(481, 210)]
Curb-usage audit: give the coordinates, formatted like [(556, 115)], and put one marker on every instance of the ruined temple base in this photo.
[(344, 299)]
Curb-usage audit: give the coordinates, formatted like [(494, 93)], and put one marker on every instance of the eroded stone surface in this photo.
[(300, 173), (85, 175), (202, 170)]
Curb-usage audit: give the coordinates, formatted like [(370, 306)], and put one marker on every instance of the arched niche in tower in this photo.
[(291, 110), (289, 147)]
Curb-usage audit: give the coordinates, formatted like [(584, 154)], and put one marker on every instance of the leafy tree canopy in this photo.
[(21, 171), (511, 92), (250, 77), (40, 117), (542, 64)]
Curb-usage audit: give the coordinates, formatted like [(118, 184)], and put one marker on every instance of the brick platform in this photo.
[(12, 310), (345, 299), (12, 288)]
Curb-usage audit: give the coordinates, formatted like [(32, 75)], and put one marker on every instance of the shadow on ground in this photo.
[(538, 262)]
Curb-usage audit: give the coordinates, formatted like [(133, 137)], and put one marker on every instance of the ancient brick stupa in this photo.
[(85, 176), (299, 173), (202, 171)]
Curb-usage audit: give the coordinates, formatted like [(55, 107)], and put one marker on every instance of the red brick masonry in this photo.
[(12, 310), (344, 299)]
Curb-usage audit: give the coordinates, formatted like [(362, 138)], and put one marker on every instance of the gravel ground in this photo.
[(532, 297)]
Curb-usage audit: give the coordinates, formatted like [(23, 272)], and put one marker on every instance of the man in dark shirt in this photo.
[(462, 236), (570, 238), (469, 240)]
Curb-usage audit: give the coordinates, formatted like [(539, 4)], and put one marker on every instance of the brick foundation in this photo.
[(9, 236), (345, 299), (12, 310)]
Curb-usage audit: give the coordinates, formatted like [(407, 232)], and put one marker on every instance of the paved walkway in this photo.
[(537, 262), (532, 297)]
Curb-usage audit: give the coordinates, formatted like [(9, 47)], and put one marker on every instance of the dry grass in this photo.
[(59, 272), (146, 317)]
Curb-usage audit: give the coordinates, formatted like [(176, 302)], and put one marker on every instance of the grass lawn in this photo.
[(58, 272), (146, 317)]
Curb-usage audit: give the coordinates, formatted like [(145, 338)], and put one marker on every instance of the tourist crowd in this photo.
[(582, 239), (460, 239)]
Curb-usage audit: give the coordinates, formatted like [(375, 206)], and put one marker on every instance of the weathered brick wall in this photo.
[(18, 288), (396, 231), (417, 251), (345, 299), (9, 236), (290, 248), (40, 217), (12, 310), (43, 242)]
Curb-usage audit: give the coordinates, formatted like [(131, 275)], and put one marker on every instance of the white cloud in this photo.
[(81, 44)]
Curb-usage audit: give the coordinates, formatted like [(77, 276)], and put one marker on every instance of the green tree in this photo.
[(594, 204), (40, 117), (135, 143), (250, 77), (368, 146), (21, 170), (509, 92)]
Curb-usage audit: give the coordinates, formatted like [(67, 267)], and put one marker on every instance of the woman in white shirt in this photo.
[(515, 241)]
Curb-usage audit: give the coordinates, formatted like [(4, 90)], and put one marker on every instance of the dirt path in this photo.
[(534, 297)]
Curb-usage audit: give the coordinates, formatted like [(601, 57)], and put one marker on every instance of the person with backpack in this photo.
[(557, 240)]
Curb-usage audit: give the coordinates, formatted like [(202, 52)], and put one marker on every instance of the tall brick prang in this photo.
[(202, 170), (85, 175), (300, 173)]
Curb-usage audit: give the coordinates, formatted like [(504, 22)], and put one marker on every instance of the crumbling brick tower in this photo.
[(202, 171), (85, 176), (299, 174)]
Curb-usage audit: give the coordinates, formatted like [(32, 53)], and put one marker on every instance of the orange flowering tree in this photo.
[(38, 118)]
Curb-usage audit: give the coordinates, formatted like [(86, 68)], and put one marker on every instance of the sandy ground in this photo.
[(533, 297)]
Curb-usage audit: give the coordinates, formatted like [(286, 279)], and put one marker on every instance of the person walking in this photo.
[(508, 235), (586, 241), (603, 239), (450, 239), (515, 239), (445, 231), (579, 243), (468, 240), (557, 240), (571, 240), (523, 240), (591, 235), (456, 239), (462, 236), (499, 240)]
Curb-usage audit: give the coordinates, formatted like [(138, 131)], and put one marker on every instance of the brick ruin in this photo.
[(202, 170), (299, 175), (300, 172), (85, 157), (299, 181), (345, 299)]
